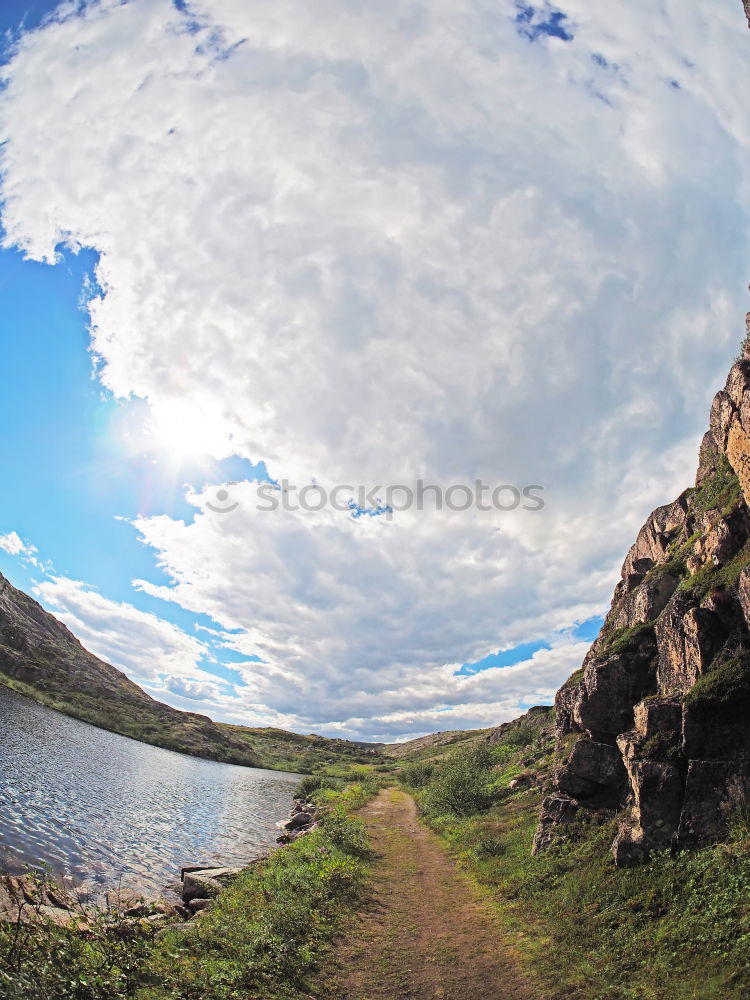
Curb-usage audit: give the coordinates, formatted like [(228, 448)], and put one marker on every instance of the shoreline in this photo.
[(38, 885)]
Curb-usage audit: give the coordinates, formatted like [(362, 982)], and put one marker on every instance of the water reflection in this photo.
[(106, 809)]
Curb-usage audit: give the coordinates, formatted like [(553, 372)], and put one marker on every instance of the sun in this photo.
[(181, 430), (176, 431)]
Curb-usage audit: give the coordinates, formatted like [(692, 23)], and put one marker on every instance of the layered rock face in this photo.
[(655, 726)]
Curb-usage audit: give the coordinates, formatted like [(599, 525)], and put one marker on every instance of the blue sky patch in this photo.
[(376, 511), (535, 22), (604, 63), (503, 658), (79, 478), (588, 631), (584, 632)]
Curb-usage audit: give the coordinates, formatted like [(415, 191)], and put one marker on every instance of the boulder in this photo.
[(612, 685), (196, 905), (299, 820), (644, 603), (557, 810), (657, 715), (656, 791), (206, 883)]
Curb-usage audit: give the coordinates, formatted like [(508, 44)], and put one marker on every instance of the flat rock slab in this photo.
[(24, 900), (206, 883)]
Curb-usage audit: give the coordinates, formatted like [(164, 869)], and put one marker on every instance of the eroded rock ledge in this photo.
[(655, 726)]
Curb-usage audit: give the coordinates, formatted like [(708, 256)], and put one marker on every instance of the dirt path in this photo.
[(425, 935)]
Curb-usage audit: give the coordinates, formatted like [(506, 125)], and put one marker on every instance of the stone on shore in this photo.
[(206, 883)]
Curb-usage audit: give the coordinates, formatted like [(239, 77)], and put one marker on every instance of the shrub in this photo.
[(522, 735), (346, 832), (418, 773), (710, 577), (313, 783), (725, 687), (460, 784), (625, 638), (56, 963)]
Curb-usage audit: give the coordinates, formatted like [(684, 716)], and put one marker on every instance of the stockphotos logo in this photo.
[(382, 501)]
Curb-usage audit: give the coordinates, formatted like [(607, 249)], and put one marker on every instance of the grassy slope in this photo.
[(275, 749), (306, 754), (433, 745), (674, 929)]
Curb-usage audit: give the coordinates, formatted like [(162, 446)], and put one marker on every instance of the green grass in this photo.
[(434, 746), (726, 686), (719, 491), (677, 928), (623, 639), (711, 577), (159, 725), (261, 940)]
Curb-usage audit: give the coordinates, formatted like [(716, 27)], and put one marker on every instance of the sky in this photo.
[(251, 249)]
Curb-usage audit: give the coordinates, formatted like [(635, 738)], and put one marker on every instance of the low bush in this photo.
[(725, 687), (313, 783), (42, 960), (417, 774), (460, 783), (721, 490)]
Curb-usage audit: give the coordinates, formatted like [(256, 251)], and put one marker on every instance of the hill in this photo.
[(282, 750), (41, 658), (432, 745)]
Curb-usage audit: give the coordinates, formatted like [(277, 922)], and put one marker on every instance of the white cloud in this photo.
[(152, 651), (371, 242), (12, 544), (15, 546)]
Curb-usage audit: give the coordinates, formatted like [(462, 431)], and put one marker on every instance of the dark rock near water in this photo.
[(206, 883)]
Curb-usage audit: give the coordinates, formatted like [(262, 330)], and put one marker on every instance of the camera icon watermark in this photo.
[(224, 501)]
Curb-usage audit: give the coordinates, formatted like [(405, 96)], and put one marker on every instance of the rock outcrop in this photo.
[(539, 720), (655, 726)]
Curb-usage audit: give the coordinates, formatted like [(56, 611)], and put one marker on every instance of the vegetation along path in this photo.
[(426, 934)]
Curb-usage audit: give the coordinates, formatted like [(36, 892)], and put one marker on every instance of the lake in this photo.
[(108, 810)]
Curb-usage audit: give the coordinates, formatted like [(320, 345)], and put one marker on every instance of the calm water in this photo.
[(108, 810)]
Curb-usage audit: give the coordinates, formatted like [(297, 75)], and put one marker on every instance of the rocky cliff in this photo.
[(40, 657), (655, 726)]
